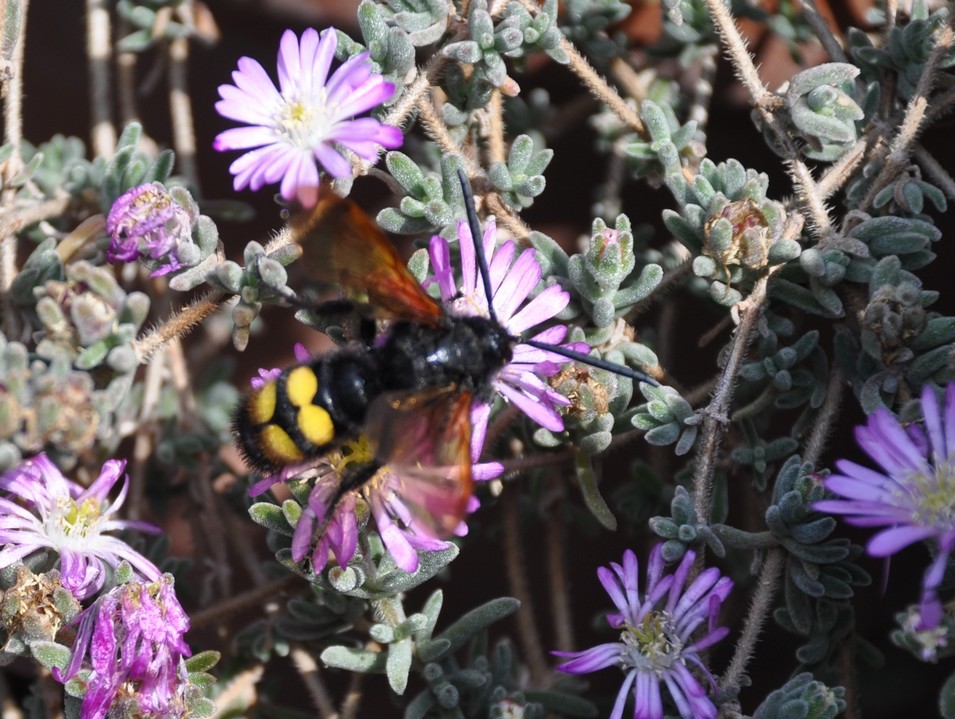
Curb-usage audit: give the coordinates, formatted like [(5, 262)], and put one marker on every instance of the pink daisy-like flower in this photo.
[(913, 497), (308, 119), (512, 281), (56, 513), (132, 641), (659, 641)]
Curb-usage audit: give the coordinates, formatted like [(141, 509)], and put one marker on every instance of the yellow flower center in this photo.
[(933, 496), (651, 645)]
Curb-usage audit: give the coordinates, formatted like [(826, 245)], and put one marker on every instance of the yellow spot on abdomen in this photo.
[(301, 386), (278, 445), (316, 425), (262, 404)]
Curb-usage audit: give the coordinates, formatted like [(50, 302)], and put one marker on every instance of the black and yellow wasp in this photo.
[(409, 391)]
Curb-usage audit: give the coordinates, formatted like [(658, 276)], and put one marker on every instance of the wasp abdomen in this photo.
[(305, 411)]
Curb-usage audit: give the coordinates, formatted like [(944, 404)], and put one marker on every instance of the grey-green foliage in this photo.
[(388, 43), (820, 572), (666, 418), (153, 21), (670, 144), (424, 21), (488, 44), (540, 30), (802, 697), (682, 530), (587, 24), (904, 55), (431, 203), (822, 109), (598, 274), (898, 340), (83, 321), (782, 375), (130, 166), (726, 220), (521, 178), (261, 279)]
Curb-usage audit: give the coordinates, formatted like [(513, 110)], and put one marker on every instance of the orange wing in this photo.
[(344, 245), (424, 439)]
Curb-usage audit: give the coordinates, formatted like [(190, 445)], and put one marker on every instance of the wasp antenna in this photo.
[(594, 362), (478, 238)]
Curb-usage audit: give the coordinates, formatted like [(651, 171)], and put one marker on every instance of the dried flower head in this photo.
[(132, 640), (147, 224)]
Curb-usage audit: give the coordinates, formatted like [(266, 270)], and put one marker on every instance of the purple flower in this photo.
[(308, 119), (512, 281), (657, 635), (147, 224), (132, 639), (913, 497), (56, 513)]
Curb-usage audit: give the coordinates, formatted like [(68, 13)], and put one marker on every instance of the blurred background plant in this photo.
[(760, 230)]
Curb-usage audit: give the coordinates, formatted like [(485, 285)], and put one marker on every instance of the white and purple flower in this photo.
[(913, 497), (512, 282), (43, 509), (307, 120), (659, 640), (131, 642)]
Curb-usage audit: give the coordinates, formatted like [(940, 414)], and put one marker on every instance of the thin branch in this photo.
[(180, 110), (759, 610), (307, 669), (715, 414), (914, 121), (765, 102), (178, 325), (520, 588), (253, 597), (825, 419), (13, 136), (497, 151), (843, 169), (99, 54), (557, 555), (820, 27)]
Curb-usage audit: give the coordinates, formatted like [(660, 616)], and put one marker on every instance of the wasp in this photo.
[(407, 392)]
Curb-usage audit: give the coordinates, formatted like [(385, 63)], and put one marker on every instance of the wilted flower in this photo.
[(147, 224), (511, 283), (308, 119), (56, 513), (132, 639), (913, 497), (657, 635)]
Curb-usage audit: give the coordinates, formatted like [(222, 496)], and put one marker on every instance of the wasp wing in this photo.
[(424, 441), (344, 245)]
